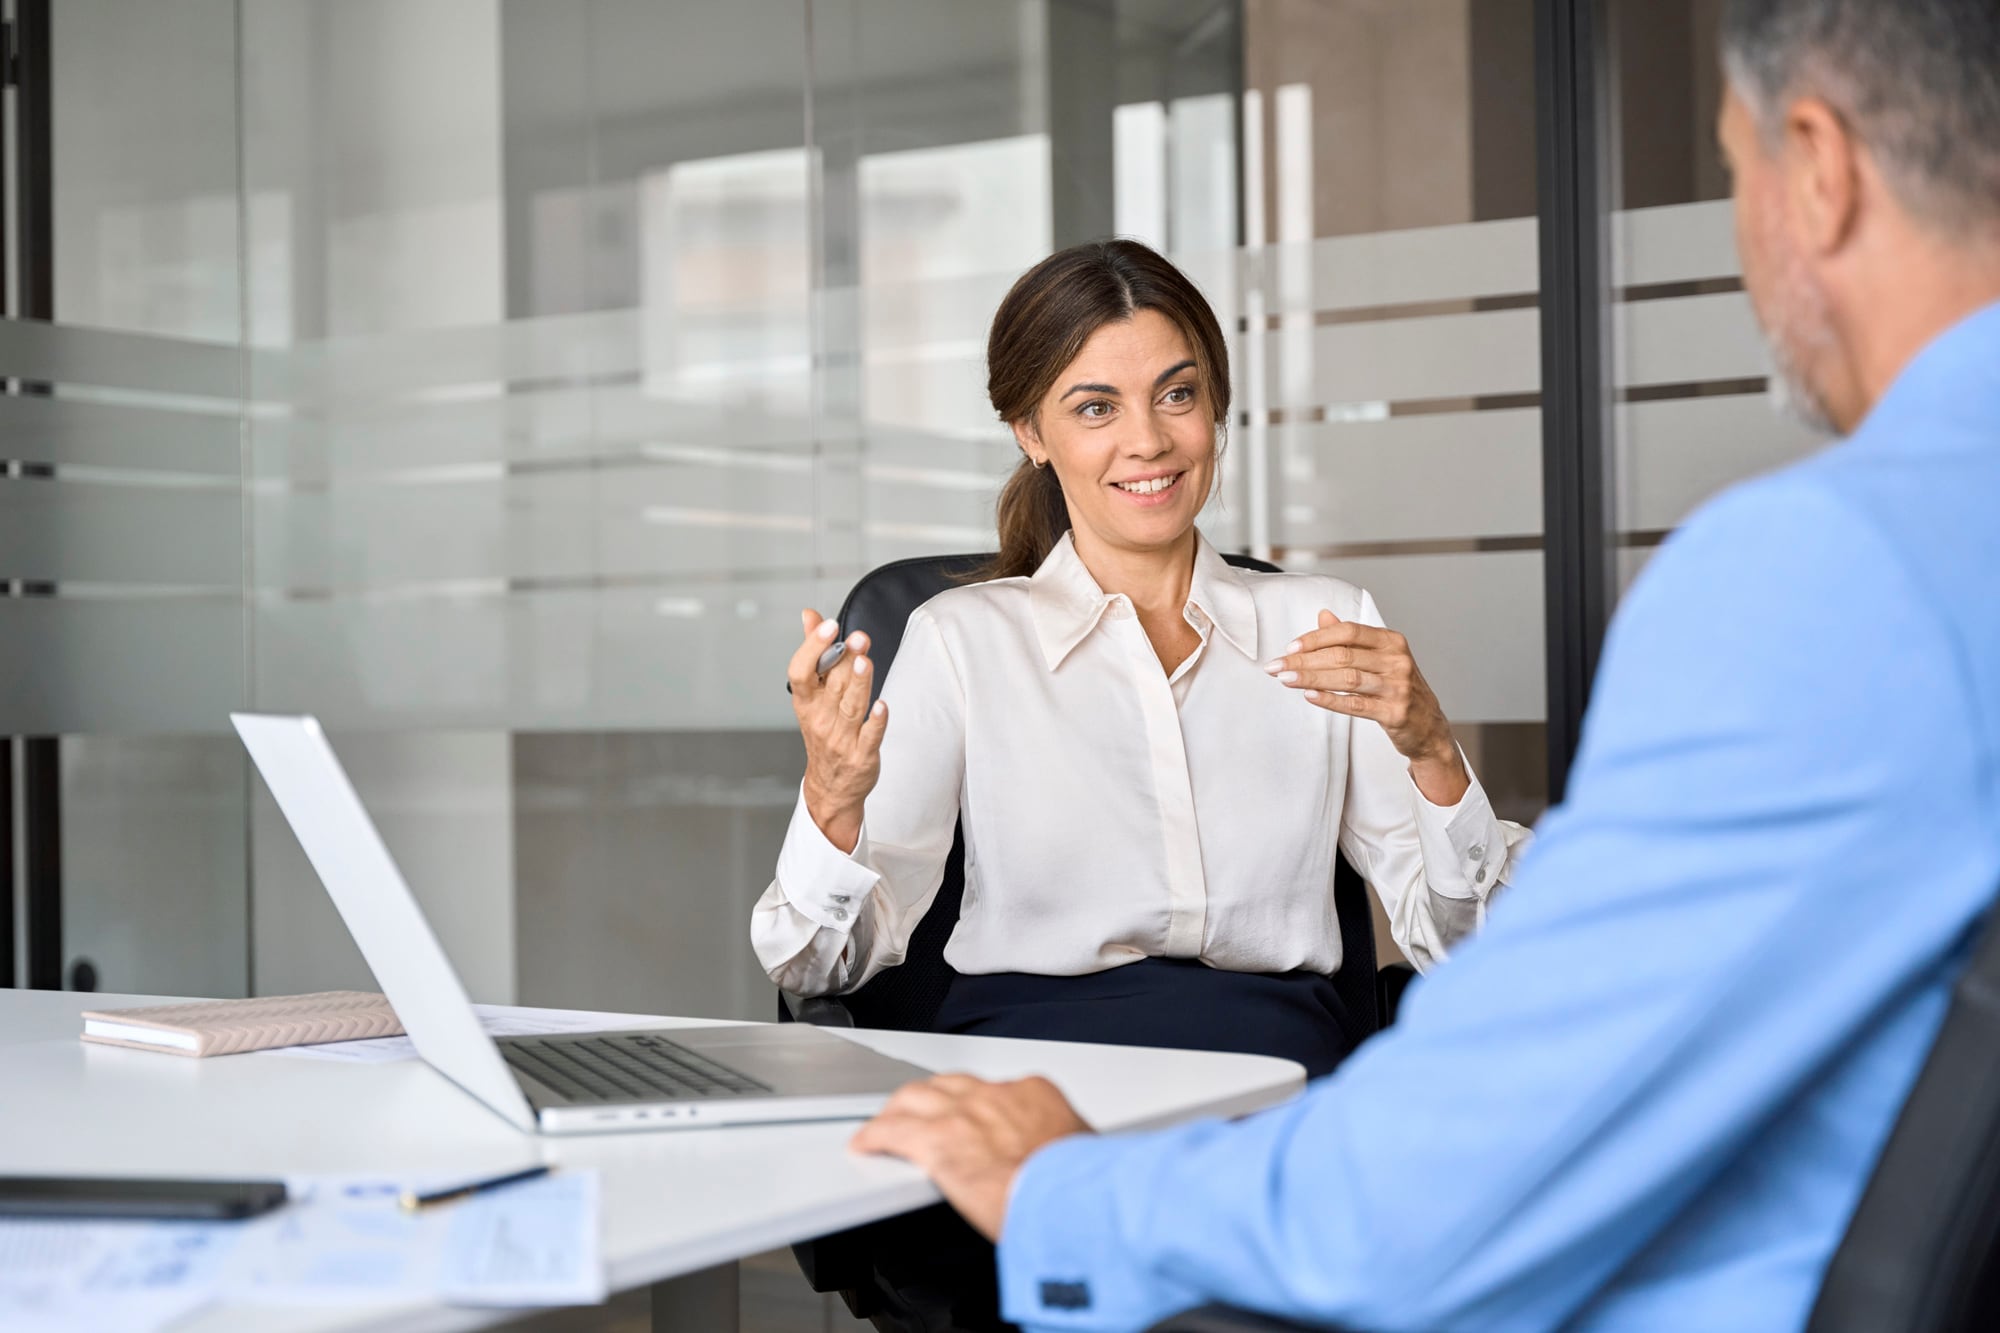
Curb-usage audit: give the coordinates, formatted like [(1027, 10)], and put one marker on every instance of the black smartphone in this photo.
[(203, 1200)]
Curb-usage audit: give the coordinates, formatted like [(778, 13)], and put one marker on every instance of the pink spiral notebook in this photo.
[(227, 1027)]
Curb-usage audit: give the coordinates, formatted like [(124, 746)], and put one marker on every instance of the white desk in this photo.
[(676, 1203)]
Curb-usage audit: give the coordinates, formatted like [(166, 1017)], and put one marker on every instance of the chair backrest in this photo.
[(909, 995), (1922, 1252)]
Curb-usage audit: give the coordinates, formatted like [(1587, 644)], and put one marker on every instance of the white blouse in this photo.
[(1113, 812)]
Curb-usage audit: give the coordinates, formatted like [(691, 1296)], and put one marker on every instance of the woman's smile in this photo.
[(1150, 492)]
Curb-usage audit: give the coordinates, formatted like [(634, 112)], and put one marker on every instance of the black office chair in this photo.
[(1922, 1252), (908, 996)]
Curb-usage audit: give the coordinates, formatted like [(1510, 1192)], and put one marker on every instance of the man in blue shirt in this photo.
[(1649, 1095)]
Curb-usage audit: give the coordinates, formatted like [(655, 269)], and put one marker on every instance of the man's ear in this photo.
[(1822, 165), (1030, 441)]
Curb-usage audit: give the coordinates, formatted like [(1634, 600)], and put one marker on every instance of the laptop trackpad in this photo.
[(794, 1058)]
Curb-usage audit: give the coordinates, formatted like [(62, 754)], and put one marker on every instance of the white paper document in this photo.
[(119, 1277), (349, 1242), (340, 1241), (499, 1020)]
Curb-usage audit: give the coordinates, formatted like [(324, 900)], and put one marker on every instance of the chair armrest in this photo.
[(822, 1011), (1390, 983), (1225, 1319)]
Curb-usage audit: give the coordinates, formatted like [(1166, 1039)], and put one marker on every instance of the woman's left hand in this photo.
[(1362, 671)]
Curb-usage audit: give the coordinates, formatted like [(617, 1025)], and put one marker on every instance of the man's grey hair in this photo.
[(1917, 80)]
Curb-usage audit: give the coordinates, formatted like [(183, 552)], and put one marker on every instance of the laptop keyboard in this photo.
[(628, 1067)]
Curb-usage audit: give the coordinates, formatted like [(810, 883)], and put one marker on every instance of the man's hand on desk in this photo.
[(971, 1136)]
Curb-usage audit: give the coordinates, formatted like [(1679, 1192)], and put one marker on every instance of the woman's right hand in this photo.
[(843, 734)]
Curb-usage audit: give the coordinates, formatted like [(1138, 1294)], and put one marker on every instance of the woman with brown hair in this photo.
[(1155, 756)]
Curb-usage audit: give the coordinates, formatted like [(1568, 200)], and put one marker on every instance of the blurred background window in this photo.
[(497, 378)]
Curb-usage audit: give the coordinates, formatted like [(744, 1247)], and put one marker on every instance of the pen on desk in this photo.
[(413, 1201)]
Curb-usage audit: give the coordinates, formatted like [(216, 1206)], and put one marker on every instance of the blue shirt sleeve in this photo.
[(1724, 903)]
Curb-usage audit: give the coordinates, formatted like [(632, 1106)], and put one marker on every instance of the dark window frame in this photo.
[(36, 801), (1573, 124)]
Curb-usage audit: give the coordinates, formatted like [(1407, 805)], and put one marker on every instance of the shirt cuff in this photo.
[(1059, 1261), (1464, 847), (824, 884)]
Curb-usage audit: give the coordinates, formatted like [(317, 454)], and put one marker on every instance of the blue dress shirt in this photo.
[(1649, 1094)]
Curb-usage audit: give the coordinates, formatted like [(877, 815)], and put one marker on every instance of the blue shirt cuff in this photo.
[(1061, 1261)]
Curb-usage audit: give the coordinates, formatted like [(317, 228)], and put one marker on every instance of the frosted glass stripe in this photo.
[(1675, 243), (919, 314), (560, 347), (1430, 477), (101, 358), (696, 656), (1675, 454), (1477, 622), (103, 666), (1406, 360), (70, 432), (1690, 340), (949, 316), (633, 414), (943, 396), (903, 509), (605, 522), (1218, 273), (991, 448), (681, 518), (62, 531), (1474, 622), (1456, 263), (563, 425), (687, 349)]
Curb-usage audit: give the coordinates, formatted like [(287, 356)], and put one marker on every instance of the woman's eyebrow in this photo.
[(1158, 380), (1089, 388)]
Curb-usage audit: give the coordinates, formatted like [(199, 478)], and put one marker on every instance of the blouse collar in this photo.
[(1067, 603)]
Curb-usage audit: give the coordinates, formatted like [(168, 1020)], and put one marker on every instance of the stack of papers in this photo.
[(341, 1241)]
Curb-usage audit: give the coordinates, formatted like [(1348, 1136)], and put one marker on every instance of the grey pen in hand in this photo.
[(828, 660), (412, 1200)]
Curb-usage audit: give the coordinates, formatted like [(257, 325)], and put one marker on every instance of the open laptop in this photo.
[(573, 1083)]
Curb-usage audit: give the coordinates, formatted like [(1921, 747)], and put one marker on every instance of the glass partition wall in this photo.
[(125, 628), (1690, 373), (496, 379)]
